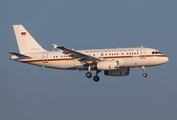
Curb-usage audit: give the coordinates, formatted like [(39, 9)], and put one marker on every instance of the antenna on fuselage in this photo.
[(141, 46)]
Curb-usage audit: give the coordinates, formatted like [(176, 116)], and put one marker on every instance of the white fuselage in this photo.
[(129, 57)]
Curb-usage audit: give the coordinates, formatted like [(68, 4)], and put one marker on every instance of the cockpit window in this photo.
[(156, 52)]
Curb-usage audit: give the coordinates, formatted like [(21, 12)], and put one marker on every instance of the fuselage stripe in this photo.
[(71, 59)]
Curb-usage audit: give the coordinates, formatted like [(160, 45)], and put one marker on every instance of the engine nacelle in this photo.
[(109, 65), (118, 72)]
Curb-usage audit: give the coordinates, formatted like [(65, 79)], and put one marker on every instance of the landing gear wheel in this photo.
[(144, 75), (96, 78), (88, 74)]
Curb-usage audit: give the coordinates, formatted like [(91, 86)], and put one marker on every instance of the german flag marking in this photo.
[(23, 33)]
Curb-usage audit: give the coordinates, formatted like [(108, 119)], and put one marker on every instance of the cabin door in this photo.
[(45, 57), (142, 53)]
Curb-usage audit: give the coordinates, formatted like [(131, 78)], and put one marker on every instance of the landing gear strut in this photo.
[(89, 74), (144, 69)]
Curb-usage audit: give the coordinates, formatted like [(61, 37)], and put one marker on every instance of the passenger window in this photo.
[(54, 56)]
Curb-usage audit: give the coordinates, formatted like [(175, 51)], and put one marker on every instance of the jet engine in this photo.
[(109, 64), (118, 72)]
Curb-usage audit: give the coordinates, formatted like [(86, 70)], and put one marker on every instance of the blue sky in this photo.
[(31, 92)]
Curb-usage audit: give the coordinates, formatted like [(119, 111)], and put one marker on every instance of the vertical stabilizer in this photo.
[(26, 43)]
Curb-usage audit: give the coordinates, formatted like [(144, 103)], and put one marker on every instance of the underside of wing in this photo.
[(77, 55)]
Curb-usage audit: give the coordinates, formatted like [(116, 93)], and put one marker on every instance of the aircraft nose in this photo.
[(166, 59)]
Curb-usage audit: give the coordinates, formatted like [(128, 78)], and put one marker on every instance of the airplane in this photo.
[(114, 62)]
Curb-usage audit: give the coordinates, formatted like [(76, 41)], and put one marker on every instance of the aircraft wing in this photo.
[(20, 55), (77, 55)]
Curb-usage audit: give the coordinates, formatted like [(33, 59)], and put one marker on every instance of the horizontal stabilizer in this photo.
[(20, 55)]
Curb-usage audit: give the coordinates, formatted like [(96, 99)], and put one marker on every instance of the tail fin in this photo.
[(26, 43)]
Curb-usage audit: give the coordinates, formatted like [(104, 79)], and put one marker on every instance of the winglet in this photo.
[(55, 46)]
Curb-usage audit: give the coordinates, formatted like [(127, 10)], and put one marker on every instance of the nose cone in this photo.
[(165, 59)]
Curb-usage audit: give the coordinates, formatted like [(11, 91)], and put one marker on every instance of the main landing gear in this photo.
[(144, 69), (89, 75), (95, 78)]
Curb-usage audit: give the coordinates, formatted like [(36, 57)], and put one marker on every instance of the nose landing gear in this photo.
[(144, 75), (144, 69)]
